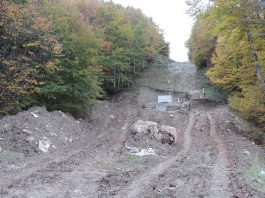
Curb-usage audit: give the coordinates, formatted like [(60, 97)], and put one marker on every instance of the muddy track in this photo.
[(220, 179), (98, 165), (139, 184)]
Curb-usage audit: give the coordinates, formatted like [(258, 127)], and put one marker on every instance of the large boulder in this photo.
[(163, 133), (145, 127), (171, 131)]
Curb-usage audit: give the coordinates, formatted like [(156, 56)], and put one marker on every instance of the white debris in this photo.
[(77, 122), (44, 144), (53, 134), (1, 139), (69, 139), (34, 114), (144, 152), (77, 191), (171, 116), (246, 152), (13, 167), (27, 131), (262, 174), (132, 149), (112, 116)]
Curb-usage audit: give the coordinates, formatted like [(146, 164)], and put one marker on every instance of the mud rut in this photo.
[(99, 165)]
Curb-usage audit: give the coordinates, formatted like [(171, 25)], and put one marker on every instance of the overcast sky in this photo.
[(170, 16)]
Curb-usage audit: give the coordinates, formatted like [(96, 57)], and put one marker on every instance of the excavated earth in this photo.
[(50, 154)]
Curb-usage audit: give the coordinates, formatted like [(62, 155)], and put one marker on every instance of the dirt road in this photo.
[(209, 159)]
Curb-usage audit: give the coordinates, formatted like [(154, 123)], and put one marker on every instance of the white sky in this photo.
[(170, 16)]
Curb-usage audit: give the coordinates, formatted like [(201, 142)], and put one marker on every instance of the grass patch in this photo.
[(253, 175)]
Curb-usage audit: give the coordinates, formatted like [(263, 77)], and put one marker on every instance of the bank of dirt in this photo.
[(93, 157)]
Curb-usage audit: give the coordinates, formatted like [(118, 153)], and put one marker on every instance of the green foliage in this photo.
[(202, 43), (26, 49), (65, 54), (74, 84), (238, 54)]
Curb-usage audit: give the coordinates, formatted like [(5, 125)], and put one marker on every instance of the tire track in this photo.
[(140, 183), (220, 180)]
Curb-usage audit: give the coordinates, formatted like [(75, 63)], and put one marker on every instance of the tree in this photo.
[(27, 48), (74, 84), (237, 59)]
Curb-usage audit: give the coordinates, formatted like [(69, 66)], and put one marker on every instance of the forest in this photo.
[(228, 38), (65, 54)]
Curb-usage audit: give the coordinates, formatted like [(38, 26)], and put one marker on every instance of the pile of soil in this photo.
[(38, 131)]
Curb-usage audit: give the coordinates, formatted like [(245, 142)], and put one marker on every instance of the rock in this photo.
[(155, 131), (246, 153), (144, 127), (44, 145), (143, 106), (158, 136), (1, 139), (28, 132), (172, 131), (262, 174)]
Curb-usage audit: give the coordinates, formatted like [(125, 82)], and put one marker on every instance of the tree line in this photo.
[(65, 54), (228, 37)]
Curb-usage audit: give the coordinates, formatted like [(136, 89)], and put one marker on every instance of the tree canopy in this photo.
[(65, 54), (229, 38)]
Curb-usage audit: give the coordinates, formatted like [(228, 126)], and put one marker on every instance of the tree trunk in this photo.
[(255, 57), (114, 76)]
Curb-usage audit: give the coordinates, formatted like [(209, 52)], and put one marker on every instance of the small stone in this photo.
[(1, 139), (246, 153), (143, 106), (171, 116), (161, 175), (28, 132), (262, 174), (1, 150)]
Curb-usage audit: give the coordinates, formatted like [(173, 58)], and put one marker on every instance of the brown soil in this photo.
[(88, 158)]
